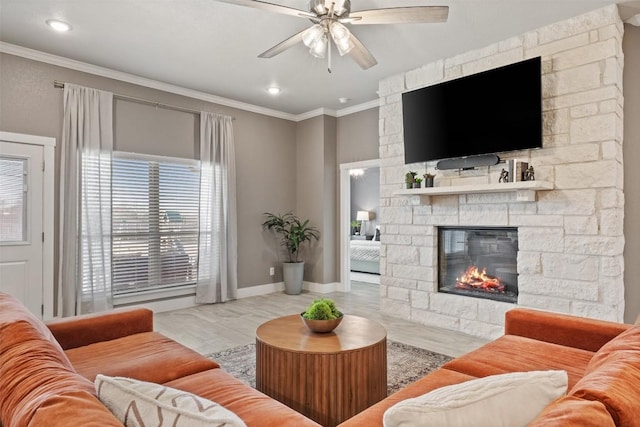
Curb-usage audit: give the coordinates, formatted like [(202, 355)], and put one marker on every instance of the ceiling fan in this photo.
[(329, 18)]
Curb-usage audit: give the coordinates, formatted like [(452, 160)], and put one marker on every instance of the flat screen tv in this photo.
[(486, 113)]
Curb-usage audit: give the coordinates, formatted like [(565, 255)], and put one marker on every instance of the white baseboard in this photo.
[(171, 304), (188, 301), (322, 288), (254, 291)]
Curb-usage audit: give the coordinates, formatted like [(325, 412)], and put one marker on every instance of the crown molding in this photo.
[(315, 113), (634, 20), (357, 108), (142, 81), (61, 61)]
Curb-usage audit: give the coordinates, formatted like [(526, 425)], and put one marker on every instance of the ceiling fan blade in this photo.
[(263, 5), (401, 15), (282, 46), (361, 54)]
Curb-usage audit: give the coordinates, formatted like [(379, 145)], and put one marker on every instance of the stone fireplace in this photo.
[(570, 237), (478, 262)]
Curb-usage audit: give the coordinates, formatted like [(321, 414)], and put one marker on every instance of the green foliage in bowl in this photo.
[(322, 309)]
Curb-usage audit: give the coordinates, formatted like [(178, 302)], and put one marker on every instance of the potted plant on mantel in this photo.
[(428, 179), (410, 178), (293, 233)]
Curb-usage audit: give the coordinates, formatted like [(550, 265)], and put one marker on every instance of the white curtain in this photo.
[(218, 253), (84, 284)]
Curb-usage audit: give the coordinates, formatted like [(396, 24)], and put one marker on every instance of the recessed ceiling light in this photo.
[(273, 90), (344, 100), (59, 26)]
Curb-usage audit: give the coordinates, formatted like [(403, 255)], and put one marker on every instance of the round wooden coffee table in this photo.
[(327, 377)]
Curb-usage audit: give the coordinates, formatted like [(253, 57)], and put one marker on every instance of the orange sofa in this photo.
[(602, 360), (47, 371)]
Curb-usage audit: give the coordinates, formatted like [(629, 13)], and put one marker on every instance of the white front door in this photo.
[(21, 223)]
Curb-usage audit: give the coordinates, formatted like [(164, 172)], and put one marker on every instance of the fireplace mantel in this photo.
[(525, 190)]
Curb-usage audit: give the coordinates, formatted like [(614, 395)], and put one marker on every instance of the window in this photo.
[(154, 218), (13, 199)]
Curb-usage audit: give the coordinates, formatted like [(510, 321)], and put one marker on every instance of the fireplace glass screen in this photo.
[(478, 262)]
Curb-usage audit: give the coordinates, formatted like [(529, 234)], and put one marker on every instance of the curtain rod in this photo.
[(60, 85)]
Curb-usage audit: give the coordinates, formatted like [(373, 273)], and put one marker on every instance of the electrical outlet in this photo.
[(272, 271)]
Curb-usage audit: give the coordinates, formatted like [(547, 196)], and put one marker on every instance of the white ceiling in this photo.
[(212, 47)]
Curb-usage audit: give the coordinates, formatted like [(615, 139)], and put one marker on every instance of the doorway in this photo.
[(26, 220), (346, 230)]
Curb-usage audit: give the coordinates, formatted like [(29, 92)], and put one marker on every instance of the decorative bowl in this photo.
[(321, 326)]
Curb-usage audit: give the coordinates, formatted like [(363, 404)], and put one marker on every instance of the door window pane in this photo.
[(13, 199)]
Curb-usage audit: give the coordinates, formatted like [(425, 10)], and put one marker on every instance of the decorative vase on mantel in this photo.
[(428, 179)]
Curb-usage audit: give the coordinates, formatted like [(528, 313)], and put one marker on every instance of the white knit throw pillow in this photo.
[(509, 400), (141, 404)]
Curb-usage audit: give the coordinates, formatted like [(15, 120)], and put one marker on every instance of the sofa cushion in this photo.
[(148, 356), (90, 328), (18, 324), (508, 400), (561, 329), (613, 378), (253, 407), (570, 411), (372, 416), (140, 403), (511, 353), (68, 408), (36, 376)]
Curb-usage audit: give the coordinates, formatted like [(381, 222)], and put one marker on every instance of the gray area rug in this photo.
[(405, 363)]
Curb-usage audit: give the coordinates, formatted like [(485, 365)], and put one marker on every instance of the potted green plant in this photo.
[(417, 183), (355, 227), (293, 233), (428, 179), (322, 315), (410, 178)]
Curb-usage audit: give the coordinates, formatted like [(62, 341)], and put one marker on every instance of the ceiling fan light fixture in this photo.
[(319, 47), (342, 38), (312, 35), (339, 31), (344, 46), (318, 6)]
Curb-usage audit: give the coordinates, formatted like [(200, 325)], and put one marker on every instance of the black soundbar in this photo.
[(468, 162)]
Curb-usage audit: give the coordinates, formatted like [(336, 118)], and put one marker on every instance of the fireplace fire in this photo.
[(478, 262), (480, 280)]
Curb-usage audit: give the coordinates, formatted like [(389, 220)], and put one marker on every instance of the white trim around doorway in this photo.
[(48, 144), (345, 215)]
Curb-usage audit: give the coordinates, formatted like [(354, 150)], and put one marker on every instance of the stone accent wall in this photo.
[(571, 238)]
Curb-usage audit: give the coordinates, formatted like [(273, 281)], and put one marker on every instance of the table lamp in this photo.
[(362, 216)]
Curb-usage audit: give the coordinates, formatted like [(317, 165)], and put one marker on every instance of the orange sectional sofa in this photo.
[(47, 371), (602, 360)]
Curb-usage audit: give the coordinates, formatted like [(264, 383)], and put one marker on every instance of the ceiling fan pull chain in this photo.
[(329, 58)]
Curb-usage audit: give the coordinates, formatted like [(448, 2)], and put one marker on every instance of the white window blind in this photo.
[(154, 222), (13, 197)]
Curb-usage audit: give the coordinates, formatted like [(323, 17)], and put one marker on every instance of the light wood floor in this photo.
[(217, 327)]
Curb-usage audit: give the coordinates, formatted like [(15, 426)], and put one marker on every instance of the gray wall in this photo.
[(265, 148), (365, 196), (142, 128), (631, 152), (356, 140), (316, 193), (357, 136)]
